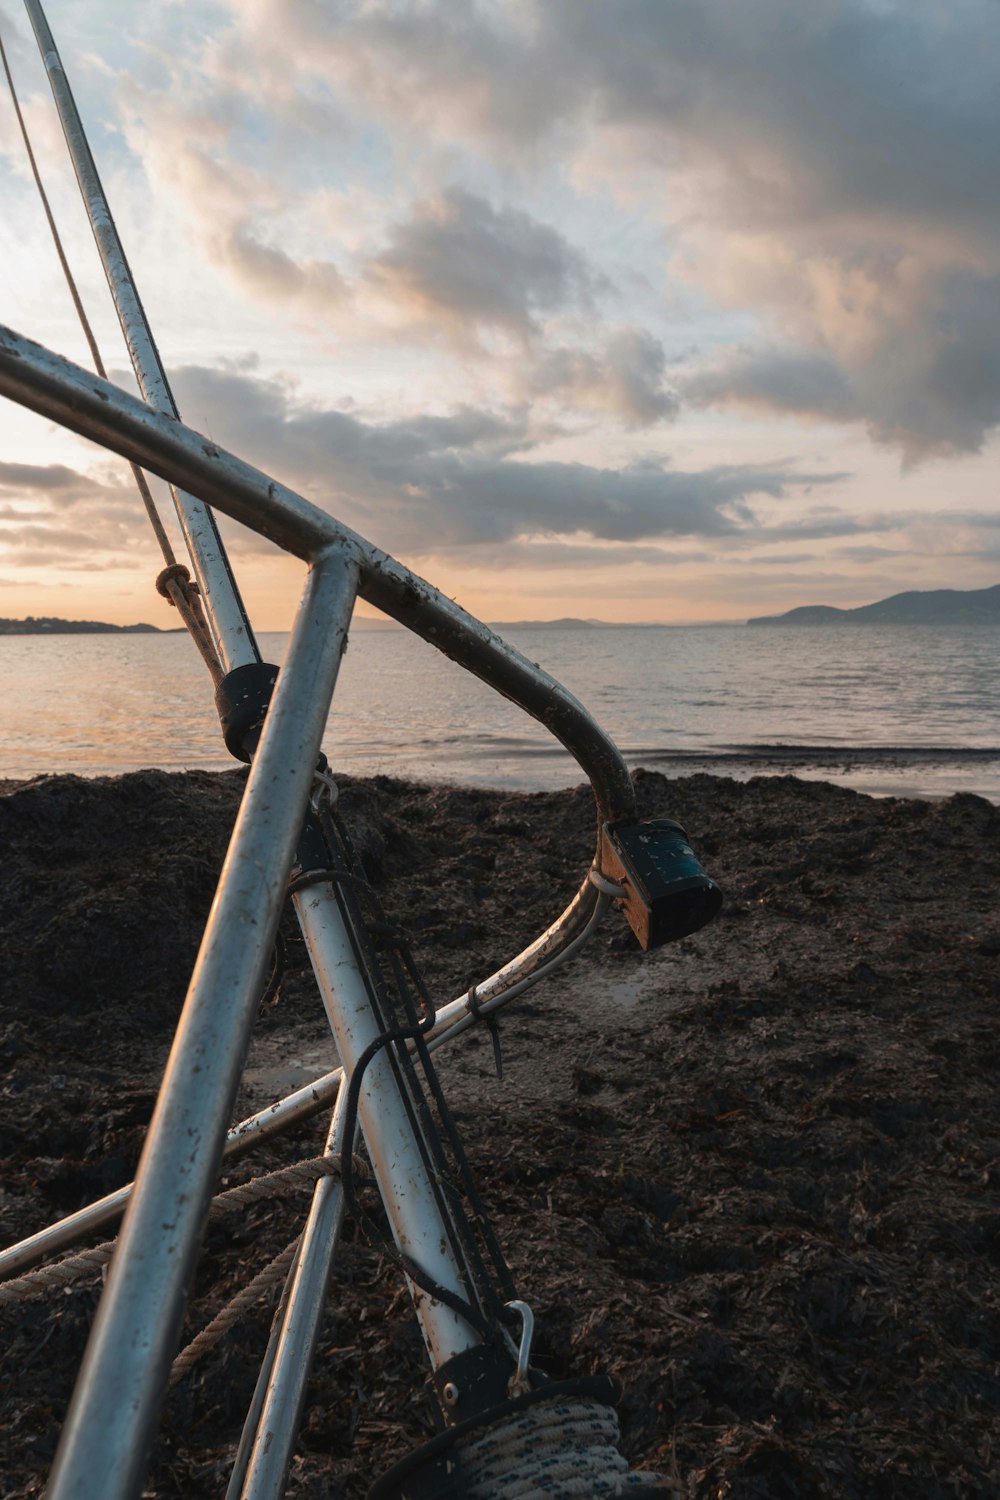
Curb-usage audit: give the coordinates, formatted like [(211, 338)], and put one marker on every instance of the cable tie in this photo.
[(492, 1026)]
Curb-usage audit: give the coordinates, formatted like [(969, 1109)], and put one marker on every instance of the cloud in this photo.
[(46, 478), (624, 377), (478, 267), (433, 483), (487, 281), (481, 278), (270, 271), (58, 514), (866, 554), (829, 166), (484, 70), (573, 556), (924, 378), (785, 379)]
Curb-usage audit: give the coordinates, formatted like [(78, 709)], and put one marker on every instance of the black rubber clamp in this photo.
[(242, 700)]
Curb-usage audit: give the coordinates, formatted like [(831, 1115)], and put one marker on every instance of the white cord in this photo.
[(608, 887)]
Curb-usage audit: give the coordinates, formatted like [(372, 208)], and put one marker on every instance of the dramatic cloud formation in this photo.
[(450, 480), (832, 166), (526, 279)]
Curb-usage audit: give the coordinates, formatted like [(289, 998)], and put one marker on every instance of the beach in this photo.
[(753, 1175)]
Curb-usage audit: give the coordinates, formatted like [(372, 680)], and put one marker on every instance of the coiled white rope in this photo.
[(553, 1451)]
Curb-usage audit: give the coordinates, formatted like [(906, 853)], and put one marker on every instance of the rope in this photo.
[(177, 588), (277, 1184), (51, 1278), (220, 1325), (554, 1451), (285, 1180), (174, 584)]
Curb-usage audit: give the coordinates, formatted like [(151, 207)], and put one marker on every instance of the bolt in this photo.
[(450, 1393)]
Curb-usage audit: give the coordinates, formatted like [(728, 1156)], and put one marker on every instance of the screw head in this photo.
[(450, 1393)]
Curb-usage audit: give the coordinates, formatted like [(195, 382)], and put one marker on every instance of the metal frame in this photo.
[(65, 393), (124, 1374)]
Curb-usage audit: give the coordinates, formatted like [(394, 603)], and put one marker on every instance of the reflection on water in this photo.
[(901, 709)]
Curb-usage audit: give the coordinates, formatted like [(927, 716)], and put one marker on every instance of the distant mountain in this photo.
[(933, 607), (568, 623), (50, 625)]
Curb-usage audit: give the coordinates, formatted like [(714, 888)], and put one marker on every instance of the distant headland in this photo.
[(930, 607), (51, 625)]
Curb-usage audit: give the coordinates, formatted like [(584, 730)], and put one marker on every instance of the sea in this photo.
[(900, 710)]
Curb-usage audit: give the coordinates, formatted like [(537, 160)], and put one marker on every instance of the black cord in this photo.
[(387, 961), (371, 1230)]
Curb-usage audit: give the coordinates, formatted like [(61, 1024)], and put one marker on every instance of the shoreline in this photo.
[(751, 1175), (875, 771)]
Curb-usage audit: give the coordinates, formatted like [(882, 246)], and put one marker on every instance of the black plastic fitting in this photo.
[(242, 699)]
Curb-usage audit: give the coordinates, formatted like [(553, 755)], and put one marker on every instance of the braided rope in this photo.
[(54, 1277), (174, 584), (283, 1181), (554, 1451), (253, 1292), (280, 1183)]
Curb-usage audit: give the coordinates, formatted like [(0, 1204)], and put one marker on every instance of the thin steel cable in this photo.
[(81, 313), (178, 589)]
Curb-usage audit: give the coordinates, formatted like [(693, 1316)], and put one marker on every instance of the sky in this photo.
[(652, 310)]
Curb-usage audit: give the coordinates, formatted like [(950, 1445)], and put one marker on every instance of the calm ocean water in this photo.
[(905, 710)]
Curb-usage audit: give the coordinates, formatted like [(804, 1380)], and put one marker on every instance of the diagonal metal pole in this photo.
[(227, 617), (265, 1450), (124, 1374), (414, 1215)]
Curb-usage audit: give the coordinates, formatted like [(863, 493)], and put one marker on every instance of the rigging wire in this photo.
[(174, 582)]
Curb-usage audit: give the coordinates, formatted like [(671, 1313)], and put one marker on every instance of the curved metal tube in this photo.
[(75, 398), (452, 1019), (80, 400)]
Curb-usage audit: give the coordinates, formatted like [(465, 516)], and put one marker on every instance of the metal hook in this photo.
[(519, 1384), (325, 790)]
